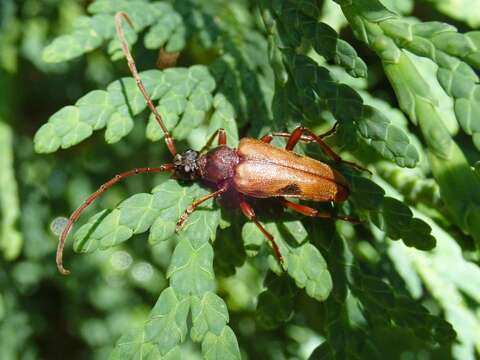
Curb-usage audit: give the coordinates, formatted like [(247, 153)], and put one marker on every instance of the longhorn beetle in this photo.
[(255, 169)]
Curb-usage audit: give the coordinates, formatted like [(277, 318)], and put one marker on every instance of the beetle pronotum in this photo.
[(254, 169)]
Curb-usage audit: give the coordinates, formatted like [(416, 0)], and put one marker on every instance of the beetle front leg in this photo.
[(222, 139), (181, 220), (308, 211), (250, 214)]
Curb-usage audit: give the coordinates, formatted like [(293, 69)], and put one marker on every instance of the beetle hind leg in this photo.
[(307, 136), (302, 131), (311, 212), (250, 214)]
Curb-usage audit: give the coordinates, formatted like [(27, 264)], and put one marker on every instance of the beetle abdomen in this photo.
[(267, 171)]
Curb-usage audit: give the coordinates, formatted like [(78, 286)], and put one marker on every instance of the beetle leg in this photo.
[(296, 136), (308, 211), (181, 220), (222, 139), (250, 214), (304, 138)]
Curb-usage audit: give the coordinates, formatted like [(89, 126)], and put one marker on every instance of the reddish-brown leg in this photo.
[(297, 134), (304, 138), (76, 214), (136, 76), (250, 214), (222, 139), (308, 211), (181, 220)]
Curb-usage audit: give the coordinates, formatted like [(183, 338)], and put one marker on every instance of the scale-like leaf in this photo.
[(462, 10), (317, 89), (390, 215), (323, 38)]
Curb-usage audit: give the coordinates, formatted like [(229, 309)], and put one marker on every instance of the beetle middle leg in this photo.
[(250, 214), (308, 211), (181, 220)]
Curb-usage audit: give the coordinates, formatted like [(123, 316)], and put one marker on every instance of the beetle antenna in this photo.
[(76, 214), (136, 76)]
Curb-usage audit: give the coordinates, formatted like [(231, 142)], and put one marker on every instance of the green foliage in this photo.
[(165, 29), (454, 54), (401, 284), (303, 262), (10, 238), (185, 101)]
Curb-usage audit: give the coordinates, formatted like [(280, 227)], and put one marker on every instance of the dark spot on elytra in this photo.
[(291, 189)]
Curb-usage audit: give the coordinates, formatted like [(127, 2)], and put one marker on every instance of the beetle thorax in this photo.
[(218, 164), (186, 166)]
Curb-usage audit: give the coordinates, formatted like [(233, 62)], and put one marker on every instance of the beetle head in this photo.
[(186, 167)]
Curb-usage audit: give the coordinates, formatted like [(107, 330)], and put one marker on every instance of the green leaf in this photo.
[(175, 199), (126, 97), (224, 117), (323, 38), (223, 346), (64, 129), (118, 127), (209, 314), (185, 102), (385, 306), (169, 30), (166, 28), (346, 106), (132, 345), (388, 139), (303, 262), (102, 231), (191, 269), (167, 325), (67, 47), (159, 211), (390, 215), (276, 303), (95, 109), (461, 10), (307, 267)]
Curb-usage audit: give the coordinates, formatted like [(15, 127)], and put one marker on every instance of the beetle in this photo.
[(255, 169)]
